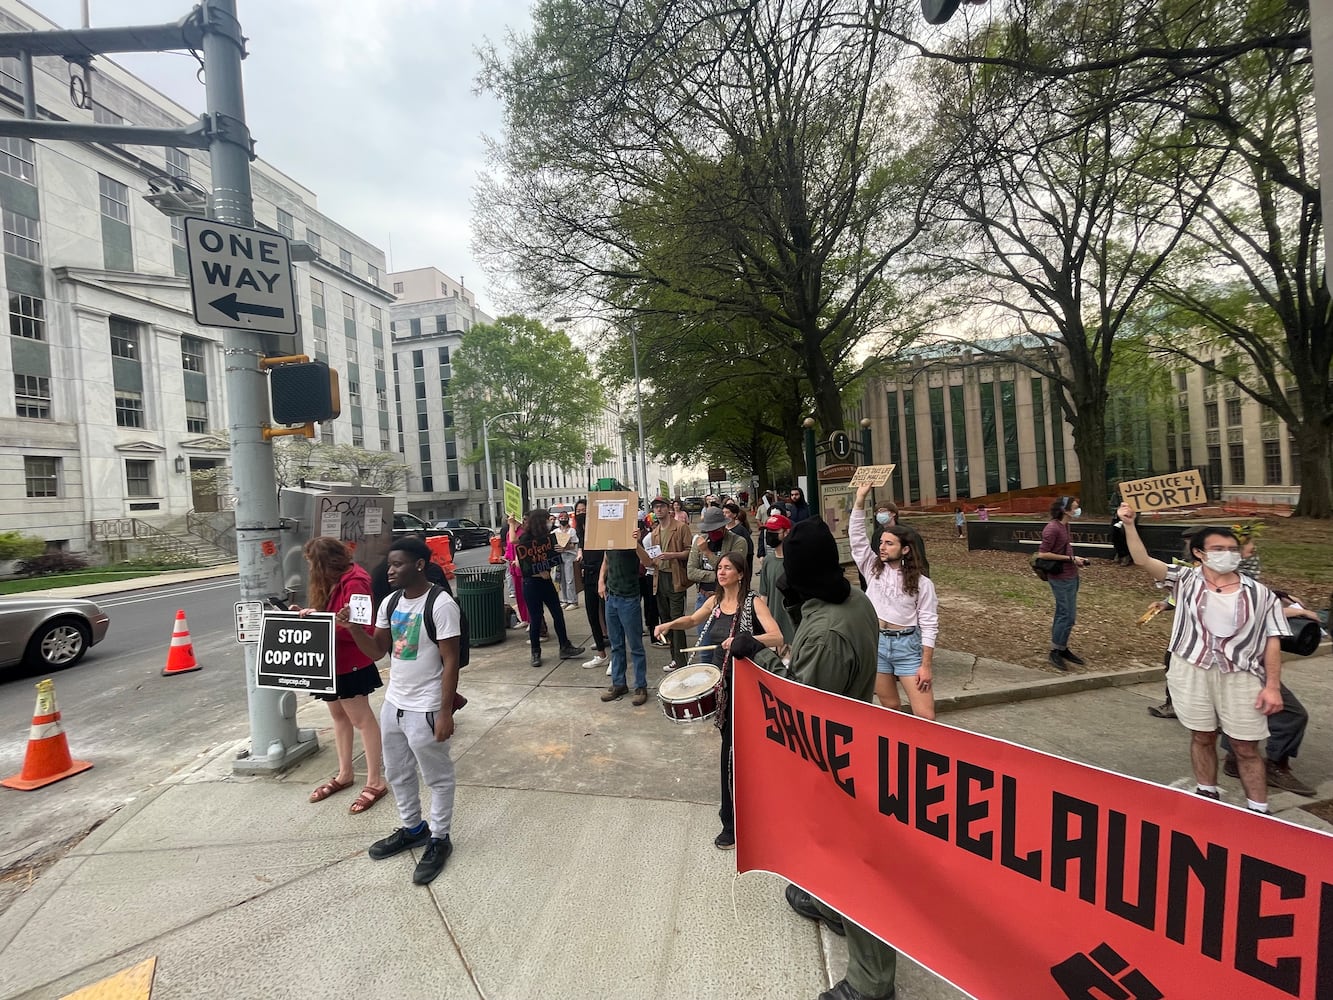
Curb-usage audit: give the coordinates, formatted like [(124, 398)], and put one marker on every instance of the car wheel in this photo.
[(58, 643)]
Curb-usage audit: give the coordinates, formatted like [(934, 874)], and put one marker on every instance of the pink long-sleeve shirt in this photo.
[(892, 603)]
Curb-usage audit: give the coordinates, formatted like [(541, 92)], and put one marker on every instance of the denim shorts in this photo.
[(900, 655)]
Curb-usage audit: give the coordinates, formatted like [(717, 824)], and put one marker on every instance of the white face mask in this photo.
[(882, 517), (1076, 512), (1222, 562)]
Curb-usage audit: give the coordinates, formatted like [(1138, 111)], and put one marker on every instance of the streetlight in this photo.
[(486, 446), (638, 405)]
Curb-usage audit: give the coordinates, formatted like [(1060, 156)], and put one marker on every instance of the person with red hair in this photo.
[(334, 578)]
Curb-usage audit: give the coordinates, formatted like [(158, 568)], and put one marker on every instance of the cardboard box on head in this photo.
[(612, 518)]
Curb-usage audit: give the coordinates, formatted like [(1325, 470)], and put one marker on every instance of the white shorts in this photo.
[(1205, 699)]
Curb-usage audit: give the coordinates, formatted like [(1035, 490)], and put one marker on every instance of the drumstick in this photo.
[(697, 649)]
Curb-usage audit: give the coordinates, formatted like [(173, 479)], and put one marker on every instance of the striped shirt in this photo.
[(1258, 615)]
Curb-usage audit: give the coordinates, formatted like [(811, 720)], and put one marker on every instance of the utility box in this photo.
[(359, 516)]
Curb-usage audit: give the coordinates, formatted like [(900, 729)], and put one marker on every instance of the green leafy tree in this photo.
[(517, 365), (720, 164)]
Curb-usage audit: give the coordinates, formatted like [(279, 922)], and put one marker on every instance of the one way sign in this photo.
[(240, 278)]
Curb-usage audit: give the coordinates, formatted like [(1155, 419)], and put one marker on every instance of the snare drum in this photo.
[(690, 693)]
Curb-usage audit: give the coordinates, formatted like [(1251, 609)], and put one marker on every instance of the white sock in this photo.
[(1259, 807)]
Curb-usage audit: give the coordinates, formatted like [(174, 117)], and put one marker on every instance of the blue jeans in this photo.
[(1066, 609), (624, 622)]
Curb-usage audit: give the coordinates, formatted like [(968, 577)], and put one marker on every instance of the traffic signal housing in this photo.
[(304, 392)]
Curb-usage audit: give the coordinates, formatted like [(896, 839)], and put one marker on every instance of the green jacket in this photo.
[(768, 589), (835, 649), (702, 568)]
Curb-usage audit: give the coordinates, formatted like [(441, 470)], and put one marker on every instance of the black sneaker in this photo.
[(1229, 767), (725, 841), (569, 652), (399, 841), (1057, 661), (536, 659), (1073, 657), (1215, 796), (614, 692), (801, 901), (432, 860)]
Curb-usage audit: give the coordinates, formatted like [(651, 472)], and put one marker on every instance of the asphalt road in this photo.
[(119, 712)]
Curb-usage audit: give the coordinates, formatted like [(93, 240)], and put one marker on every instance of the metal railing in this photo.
[(202, 525), (163, 543)]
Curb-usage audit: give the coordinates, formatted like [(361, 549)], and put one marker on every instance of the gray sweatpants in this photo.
[(409, 743)]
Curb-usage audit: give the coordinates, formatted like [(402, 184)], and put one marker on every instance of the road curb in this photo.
[(1049, 688), (136, 583)]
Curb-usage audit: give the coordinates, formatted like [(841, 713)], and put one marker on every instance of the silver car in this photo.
[(48, 632)]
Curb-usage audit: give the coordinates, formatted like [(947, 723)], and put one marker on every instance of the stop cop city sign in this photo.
[(296, 653), (240, 278)]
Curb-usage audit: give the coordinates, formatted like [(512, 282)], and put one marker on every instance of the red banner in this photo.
[(1015, 874)]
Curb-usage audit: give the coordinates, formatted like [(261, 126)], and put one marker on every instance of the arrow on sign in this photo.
[(229, 306)]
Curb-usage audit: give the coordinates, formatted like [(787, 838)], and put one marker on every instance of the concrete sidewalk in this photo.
[(584, 864)]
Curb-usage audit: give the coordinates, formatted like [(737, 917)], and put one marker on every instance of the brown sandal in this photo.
[(368, 797), (330, 787)]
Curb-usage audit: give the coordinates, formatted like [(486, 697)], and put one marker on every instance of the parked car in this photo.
[(562, 508), (48, 632), (464, 533), (410, 524), (693, 505)]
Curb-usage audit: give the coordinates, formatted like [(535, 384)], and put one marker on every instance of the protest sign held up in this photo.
[(1175, 489)]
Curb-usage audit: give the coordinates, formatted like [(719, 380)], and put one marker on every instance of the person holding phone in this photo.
[(334, 578)]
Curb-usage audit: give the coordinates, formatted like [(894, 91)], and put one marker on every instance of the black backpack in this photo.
[(428, 618)]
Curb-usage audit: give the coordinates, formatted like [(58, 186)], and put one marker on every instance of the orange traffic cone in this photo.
[(180, 657), (48, 758), (497, 556)]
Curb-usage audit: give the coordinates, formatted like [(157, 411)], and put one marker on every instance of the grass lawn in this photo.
[(84, 577)]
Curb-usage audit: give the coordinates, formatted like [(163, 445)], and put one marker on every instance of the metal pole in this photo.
[(275, 742), (490, 487), (638, 402), (811, 478)]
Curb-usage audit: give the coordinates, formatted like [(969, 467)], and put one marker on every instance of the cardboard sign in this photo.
[(1175, 489), (513, 500), (1018, 874), (872, 475), (612, 518), (296, 653)]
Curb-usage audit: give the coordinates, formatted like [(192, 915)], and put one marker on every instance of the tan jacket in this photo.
[(672, 536)]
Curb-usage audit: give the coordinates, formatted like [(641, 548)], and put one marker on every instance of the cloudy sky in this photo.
[(369, 103)]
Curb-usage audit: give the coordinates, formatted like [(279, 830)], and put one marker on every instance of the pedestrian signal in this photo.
[(304, 392)]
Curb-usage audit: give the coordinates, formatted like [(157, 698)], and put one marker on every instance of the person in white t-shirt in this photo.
[(417, 718)]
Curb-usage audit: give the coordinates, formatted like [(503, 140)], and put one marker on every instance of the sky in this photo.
[(371, 104)]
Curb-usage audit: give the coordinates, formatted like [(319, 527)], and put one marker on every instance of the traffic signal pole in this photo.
[(275, 741)]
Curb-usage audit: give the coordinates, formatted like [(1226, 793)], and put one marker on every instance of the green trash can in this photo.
[(481, 596)]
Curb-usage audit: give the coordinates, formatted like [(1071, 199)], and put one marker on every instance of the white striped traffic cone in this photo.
[(180, 657)]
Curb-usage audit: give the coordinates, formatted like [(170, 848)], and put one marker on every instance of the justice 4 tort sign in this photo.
[(296, 653), (240, 278)]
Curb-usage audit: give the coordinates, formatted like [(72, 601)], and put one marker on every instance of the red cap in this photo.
[(778, 522)]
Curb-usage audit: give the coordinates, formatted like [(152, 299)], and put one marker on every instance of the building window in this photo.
[(345, 259), (316, 293), (18, 158), (1209, 376), (196, 417), (1236, 452), (22, 235), (1272, 463), (32, 396), (178, 163), (397, 288), (286, 225), (103, 115), (138, 478), (373, 273), (129, 408), (313, 238), (27, 316), (192, 354), (1210, 415), (42, 476), (177, 231), (1233, 412), (1215, 466), (358, 436), (124, 339), (11, 71), (354, 392), (1182, 380), (114, 198)]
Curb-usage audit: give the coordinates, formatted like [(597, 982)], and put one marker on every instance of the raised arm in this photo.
[(1155, 567)]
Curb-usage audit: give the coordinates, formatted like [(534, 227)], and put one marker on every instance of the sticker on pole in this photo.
[(240, 278), (249, 620), (296, 653)]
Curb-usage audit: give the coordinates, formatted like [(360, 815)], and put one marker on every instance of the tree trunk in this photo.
[(1315, 441), (1090, 447)]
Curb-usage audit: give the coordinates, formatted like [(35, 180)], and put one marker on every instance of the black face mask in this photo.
[(771, 539)]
